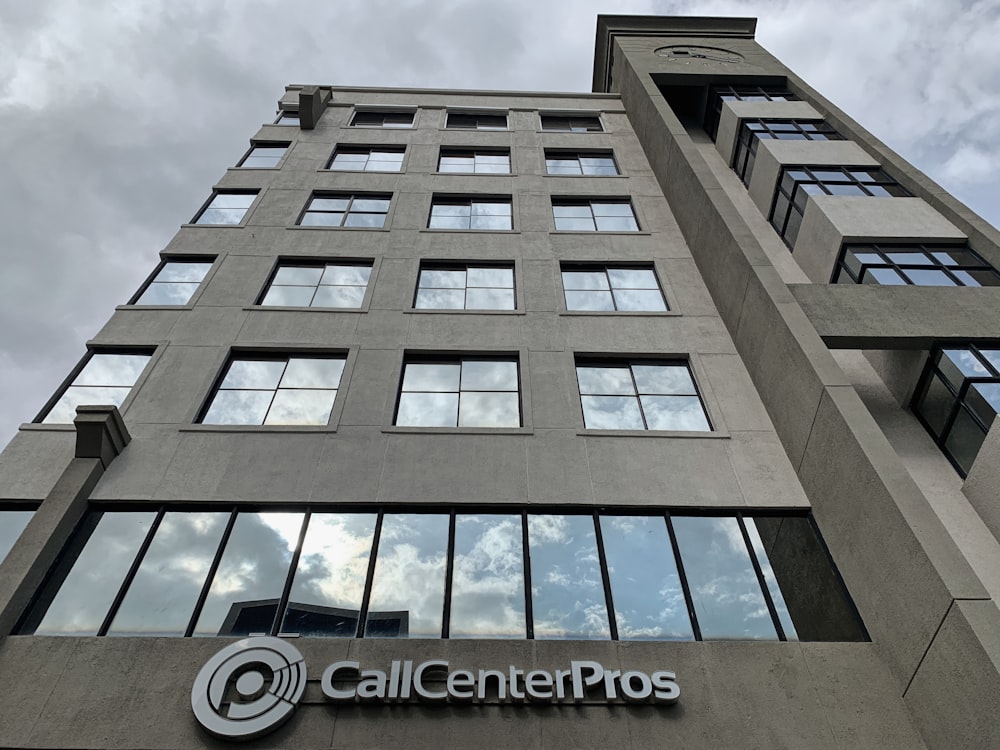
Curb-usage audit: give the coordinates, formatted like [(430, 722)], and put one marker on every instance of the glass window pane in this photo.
[(632, 278), (777, 598), (611, 413), (884, 276), (298, 276), (365, 220), (244, 595), (645, 587), (564, 224), (672, 379), (325, 598), (481, 208), (984, 400), (65, 409), (479, 409), (612, 209), (254, 373), (567, 592), (490, 299), (312, 372), (492, 223), (609, 380), (87, 592), (935, 405), (339, 296), (12, 523), (489, 375), (589, 301), (964, 440), (289, 296), (451, 209), (322, 220), (232, 200), (724, 587), (163, 594), (440, 299), (616, 224), (112, 369), (372, 205), (177, 270), (431, 377), (174, 293), (584, 280), (427, 410), (300, 406), (910, 259), (238, 407), (957, 364), (674, 413), (407, 599), (346, 275), (491, 277), (571, 210), (487, 590), (448, 222), (329, 204), (928, 277), (442, 279), (639, 300)]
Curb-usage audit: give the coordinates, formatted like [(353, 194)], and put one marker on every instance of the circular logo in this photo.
[(689, 53), (249, 688)]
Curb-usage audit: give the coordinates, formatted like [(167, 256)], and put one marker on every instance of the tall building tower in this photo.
[(659, 415)]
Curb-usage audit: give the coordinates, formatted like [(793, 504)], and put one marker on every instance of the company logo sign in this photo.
[(253, 686), (268, 676)]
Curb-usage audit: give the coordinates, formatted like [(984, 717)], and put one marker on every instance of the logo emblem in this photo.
[(249, 688)]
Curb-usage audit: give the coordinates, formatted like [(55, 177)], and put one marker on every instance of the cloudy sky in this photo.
[(118, 116)]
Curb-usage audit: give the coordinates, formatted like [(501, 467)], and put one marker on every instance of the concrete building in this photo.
[(658, 415)]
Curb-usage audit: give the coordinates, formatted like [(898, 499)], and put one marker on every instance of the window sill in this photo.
[(358, 171), (436, 311), (476, 174), (624, 313), (215, 226), (286, 308), (339, 229), (154, 307), (470, 231), (592, 176), (693, 434), (595, 231), (253, 169), (258, 428), (458, 430), (48, 427)]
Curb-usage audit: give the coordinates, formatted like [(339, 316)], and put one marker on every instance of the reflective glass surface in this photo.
[(640, 396), (106, 379), (407, 599), (226, 208), (329, 584), (724, 587), (623, 289), (471, 214), (487, 595), (347, 211), (87, 592), (175, 283), (367, 160), (594, 216), (471, 393), (264, 157), (330, 285), (470, 288), (244, 595), (567, 591), (645, 587), (12, 523), (161, 598)]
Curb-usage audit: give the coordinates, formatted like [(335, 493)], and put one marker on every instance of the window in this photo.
[(226, 207), (597, 163), (597, 215), (477, 121), (465, 287), (797, 183), (922, 265), (297, 390), (719, 94), (516, 573), (288, 117), (572, 123), (621, 288), (12, 523), (754, 131), (477, 161), (957, 399), (174, 283), (486, 213), (318, 285), (105, 378), (344, 210), (375, 119), (263, 156), (640, 395), (367, 159), (466, 392)]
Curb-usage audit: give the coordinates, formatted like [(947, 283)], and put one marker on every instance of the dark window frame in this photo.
[(351, 198), (741, 92), (463, 120), (554, 123), (748, 138), (254, 145), (449, 199), (361, 114), (598, 266), (460, 265), (208, 260), (207, 205), (352, 148), (843, 273), (285, 117), (577, 155), (462, 152), (568, 201), (300, 262)]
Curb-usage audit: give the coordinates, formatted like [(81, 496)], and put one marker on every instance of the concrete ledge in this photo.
[(734, 112), (863, 316)]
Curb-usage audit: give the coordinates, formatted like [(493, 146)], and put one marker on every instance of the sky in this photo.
[(118, 117)]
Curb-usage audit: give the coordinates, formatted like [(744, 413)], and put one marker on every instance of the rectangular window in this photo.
[(464, 392), (288, 117), (752, 132), (474, 161), (572, 123), (263, 156), (367, 159), (382, 119), (364, 210), (595, 163), (520, 573), (106, 377), (958, 398), (333, 284), (485, 213), (589, 286), (173, 283), (457, 286), (269, 390), (476, 121), (640, 395), (918, 264), (798, 183), (226, 207), (742, 93), (596, 215), (12, 523)]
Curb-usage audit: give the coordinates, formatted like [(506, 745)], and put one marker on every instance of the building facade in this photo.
[(654, 415)]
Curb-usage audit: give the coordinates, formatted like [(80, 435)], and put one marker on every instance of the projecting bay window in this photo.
[(958, 398), (798, 183), (913, 263), (513, 574), (740, 93), (752, 132)]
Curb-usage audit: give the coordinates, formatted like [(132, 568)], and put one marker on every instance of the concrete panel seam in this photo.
[(930, 643)]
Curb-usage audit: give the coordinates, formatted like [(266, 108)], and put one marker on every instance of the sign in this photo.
[(254, 686)]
